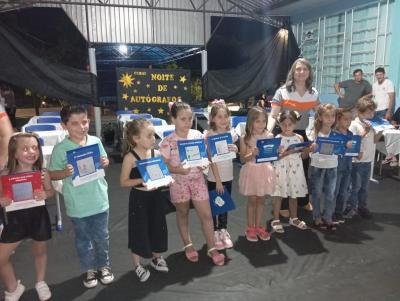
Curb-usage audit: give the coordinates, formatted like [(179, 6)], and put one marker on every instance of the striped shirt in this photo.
[(292, 101)]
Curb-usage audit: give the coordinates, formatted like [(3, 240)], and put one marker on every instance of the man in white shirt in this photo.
[(383, 93)]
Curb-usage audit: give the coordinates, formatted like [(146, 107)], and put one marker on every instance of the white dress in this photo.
[(290, 179)]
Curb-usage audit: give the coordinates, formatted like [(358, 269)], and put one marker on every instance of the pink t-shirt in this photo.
[(169, 149)]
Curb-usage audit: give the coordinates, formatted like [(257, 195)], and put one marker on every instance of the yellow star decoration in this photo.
[(125, 96), (175, 87), (28, 92), (138, 82), (185, 88), (148, 109), (148, 86), (182, 79), (126, 80), (135, 111), (160, 111)]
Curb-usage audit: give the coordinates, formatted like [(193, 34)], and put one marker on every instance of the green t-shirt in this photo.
[(87, 199)]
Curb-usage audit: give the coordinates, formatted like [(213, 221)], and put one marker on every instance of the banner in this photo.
[(150, 90)]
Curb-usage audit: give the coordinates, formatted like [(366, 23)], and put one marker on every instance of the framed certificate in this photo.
[(221, 203), (354, 150), (218, 147), (298, 147), (154, 172), (86, 163), (193, 153), (20, 188), (268, 149), (333, 145), (379, 124)]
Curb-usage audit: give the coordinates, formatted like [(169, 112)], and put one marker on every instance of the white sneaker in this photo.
[(159, 264), (142, 273), (226, 238), (90, 279), (15, 295), (43, 291), (218, 244), (105, 275)]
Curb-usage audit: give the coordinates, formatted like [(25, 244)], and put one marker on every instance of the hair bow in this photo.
[(217, 101)]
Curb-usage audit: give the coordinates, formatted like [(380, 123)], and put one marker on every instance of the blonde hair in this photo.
[(214, 111), (133, 128), (322, 109), (12, 149), (252, 115), (364, 104), (290, 84)]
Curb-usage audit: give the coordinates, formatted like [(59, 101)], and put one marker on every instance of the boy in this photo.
[(87, 204), (361, 167)]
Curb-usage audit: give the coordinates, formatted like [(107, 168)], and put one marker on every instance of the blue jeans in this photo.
[(323, 180), (380, 114), (342, 183), (360, 175), (92, 241)]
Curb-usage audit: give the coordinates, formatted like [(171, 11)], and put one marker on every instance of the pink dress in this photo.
[(257, 179)]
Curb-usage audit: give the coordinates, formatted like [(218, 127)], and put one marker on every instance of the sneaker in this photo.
[(338, 218), (15, 295), (90, 279), (217, 240), (365, 213), (142, 273), (262, 233), (105, 275), (226, 239), (349, 213), (43, 291), (251, 234), (159, 264)]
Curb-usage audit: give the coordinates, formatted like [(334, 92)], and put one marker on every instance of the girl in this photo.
[(323, 168), (343, 119), (256, 180), (221, 173), (25, 155), (291, 181), (147, 225), (189, 185)]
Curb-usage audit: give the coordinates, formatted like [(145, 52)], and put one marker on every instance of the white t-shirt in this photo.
[(320, 160), (381, 94), (367, 142), (225, 168)]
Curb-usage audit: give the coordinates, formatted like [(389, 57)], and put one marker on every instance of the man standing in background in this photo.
[(9, 102), (383, 93), (354, 89)]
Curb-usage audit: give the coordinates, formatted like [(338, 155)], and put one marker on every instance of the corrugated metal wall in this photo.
[(113, 23)]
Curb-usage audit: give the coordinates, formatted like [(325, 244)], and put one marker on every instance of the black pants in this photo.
[(220, 220)]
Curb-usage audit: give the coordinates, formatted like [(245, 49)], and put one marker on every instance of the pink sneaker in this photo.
[(251, 234), (262, 233), (219, 245), (226, 239)]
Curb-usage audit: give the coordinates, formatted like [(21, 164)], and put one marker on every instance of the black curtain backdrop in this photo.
[(20, 66), (246, 58)]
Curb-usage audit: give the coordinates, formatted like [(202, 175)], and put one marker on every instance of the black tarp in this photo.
[(246, 58), (20, 66)]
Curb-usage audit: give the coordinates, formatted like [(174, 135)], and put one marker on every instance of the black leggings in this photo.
[(220, 220)]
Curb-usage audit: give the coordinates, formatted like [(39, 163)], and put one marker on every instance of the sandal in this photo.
[(192, 256), (298, 223), (277, 226), (218, 258)]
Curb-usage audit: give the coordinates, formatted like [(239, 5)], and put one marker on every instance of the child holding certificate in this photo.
[(323, 169), (291, 181), (147, 231), (25, 155), (256, 180), (189, 185), (221, 173), (86, 204)]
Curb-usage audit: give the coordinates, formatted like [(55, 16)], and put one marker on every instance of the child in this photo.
[(291, 181), (87, 204), (189, 185), (361, 168), (343, 119), (256, 180), (147, 229), (323, 169), (25, 155), (221, 173)]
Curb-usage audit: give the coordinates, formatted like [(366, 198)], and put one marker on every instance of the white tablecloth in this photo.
[(392, 141), (47, 150), (51, 138)]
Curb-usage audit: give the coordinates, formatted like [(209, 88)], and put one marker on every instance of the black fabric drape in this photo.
[(261, 53), (20, 66)]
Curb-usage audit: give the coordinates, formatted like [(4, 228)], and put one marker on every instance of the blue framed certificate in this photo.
[(354, 150), (379, 124), (192, 153), (86, 163), (268, 150), (221, 203), (333, 145), (154, 172), (218, 147)]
